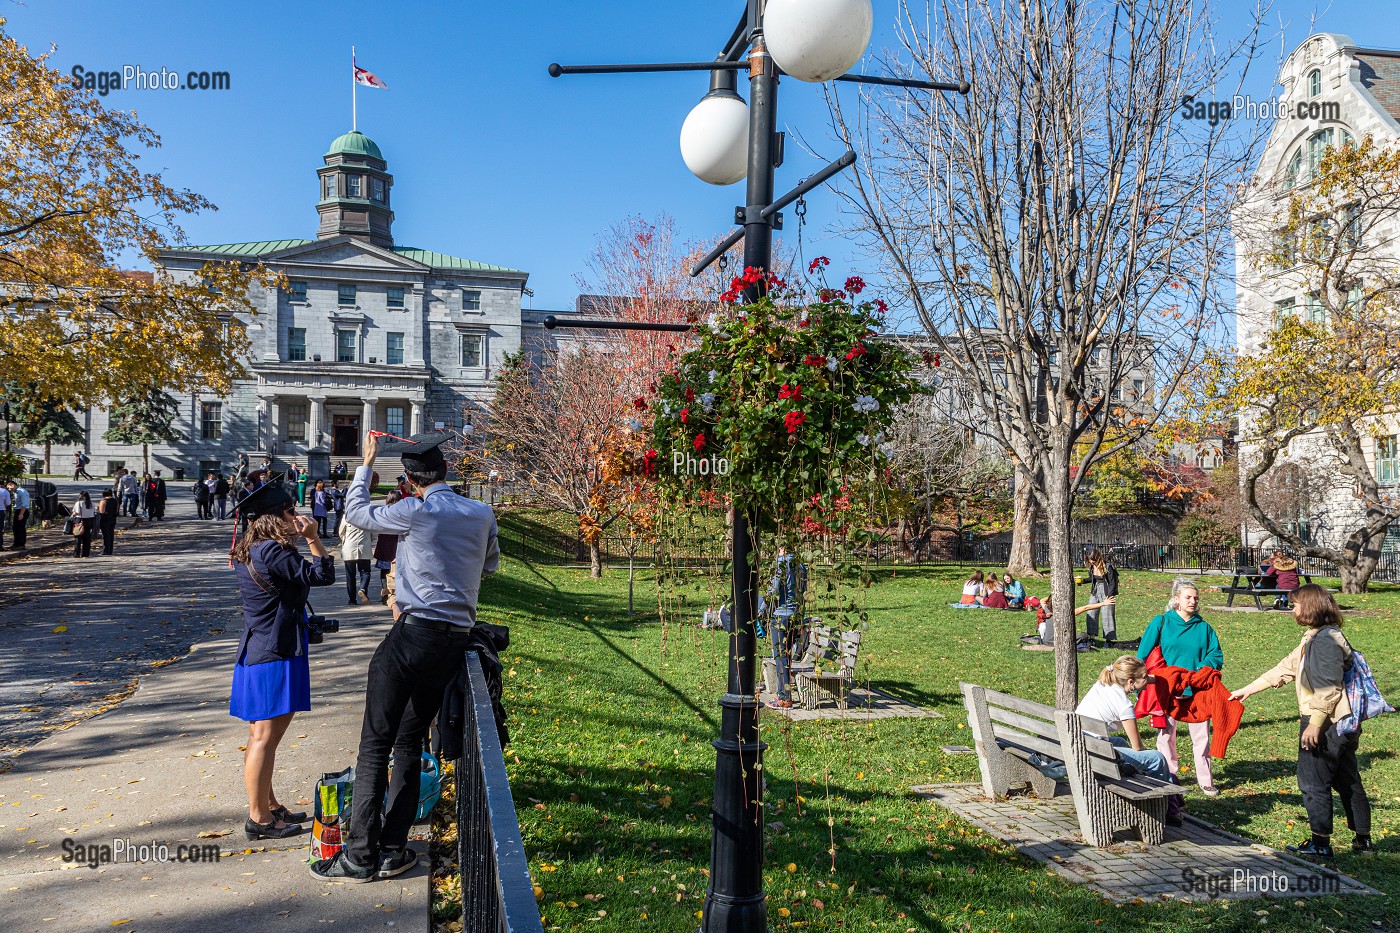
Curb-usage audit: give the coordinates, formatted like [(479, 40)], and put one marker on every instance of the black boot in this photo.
[(1362, 845), (1318, 847)]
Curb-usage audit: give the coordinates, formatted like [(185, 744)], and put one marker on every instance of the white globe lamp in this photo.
[(715, 135), (817, 40)]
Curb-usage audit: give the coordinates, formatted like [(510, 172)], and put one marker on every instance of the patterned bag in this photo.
[(1363, 696), (330, 826)]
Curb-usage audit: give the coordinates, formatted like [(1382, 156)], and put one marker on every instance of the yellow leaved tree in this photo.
[(74, 205), (1317, 387)]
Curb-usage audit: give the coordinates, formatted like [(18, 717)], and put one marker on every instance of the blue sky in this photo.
[(493, 159)]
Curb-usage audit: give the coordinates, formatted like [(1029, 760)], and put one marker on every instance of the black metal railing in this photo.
[(497, 893)]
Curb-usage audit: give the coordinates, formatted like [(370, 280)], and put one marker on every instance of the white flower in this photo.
[(866, 403), (887, 448), (804, 315), (880, 438), (713, 374), (832, 363), (863, 439), (713, 323), (635, 424), (707, 400), (665, 406)]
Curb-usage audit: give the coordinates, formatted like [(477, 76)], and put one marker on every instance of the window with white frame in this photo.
[(345, 294), (1314, 82), (296, 344), (296, 291), (346, 346), (394, 297), (393, 419), (295, 414), (1388, 460), (211, 421), (471, 300), (393, 349)]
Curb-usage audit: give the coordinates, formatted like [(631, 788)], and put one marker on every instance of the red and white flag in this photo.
[(365, 77)]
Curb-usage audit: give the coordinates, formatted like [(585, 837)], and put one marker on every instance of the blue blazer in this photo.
[(272, 621)]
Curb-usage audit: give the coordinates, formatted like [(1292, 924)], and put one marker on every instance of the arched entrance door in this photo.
[(345, 435)]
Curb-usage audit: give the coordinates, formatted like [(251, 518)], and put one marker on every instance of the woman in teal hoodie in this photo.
[(1187, 641)]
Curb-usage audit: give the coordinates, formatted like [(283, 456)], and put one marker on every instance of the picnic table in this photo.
[(1252, 586)]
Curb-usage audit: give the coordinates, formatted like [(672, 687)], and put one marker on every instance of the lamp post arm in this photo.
[(556, 70), (961, 87)]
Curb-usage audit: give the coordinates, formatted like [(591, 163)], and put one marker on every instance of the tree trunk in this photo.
[(48, 455), (595, 560), (1356, 574), (1022, 560), (146, 458), (631, 576), (1062, 591)]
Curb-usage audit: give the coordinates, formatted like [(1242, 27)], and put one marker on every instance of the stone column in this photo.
[(367, 418), (267, 422), (415, 421), (318, 421)]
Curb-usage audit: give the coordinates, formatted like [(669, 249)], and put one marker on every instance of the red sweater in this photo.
[(1209, 701)]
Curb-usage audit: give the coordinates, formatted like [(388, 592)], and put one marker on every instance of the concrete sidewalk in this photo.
[(165, 767)]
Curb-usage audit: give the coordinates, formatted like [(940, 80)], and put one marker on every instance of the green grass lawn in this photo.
[(612, 769)]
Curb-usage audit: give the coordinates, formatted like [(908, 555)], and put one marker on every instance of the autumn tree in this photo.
[(41, 420), (1316, 380), (145, 418), (1057, 227), (73, 202)]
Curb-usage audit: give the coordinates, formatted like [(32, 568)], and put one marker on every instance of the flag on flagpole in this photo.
[(365, 77)]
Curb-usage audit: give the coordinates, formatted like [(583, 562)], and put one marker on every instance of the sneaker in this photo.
[(394, 862), (339, 868), (779, 704), (1363, 846), (1308, 850), (364, 598)]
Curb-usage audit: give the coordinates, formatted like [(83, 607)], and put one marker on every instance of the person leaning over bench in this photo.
[(446, 543), (1108, 700)]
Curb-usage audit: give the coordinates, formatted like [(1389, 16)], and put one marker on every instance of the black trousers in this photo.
[(356, 577), (1328, 767), (109, 534), (21, 529), (407, 675), (82, 544)]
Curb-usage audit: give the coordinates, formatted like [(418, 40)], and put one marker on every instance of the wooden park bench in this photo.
[(828, 669), (1009, 730), (1250, 587)]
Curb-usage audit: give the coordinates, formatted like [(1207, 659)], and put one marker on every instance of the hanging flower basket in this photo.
[(783, 406)]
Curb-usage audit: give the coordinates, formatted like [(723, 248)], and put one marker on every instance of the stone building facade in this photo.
[(1333, 91), (367, 334)]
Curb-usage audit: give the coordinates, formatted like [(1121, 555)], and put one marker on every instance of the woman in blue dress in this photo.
[(272, 679)]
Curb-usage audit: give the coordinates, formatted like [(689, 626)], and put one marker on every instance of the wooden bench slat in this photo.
[(1039, 727), (1139, 787), (1016, 703), (1023, 749)]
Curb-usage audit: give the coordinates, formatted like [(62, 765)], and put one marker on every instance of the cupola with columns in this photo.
[(354, 195)]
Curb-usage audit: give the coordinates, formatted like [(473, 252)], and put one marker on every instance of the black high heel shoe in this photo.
[(287, 816), (256, 831)]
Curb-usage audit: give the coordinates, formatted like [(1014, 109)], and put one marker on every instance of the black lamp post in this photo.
[(735, 901)]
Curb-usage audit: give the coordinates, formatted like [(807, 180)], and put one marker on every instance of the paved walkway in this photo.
[(165, 766), (863, 704), (1198, 861)]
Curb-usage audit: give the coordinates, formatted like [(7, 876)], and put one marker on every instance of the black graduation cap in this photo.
[(419, 453), (268, 499)]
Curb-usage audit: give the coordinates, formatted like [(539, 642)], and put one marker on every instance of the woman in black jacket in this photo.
[(107, 519), (1103, 583), (272, 679)]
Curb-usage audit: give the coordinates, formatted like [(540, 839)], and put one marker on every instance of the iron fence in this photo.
[(497, 893)]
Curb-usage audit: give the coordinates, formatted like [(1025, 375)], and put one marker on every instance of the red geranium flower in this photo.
[(880, 305), (855, 285), (792, 392), (699, 442), (639, 403), (689, 394), (855, 351), (818, 263), (815, 359), (794, 420), (685, 415), (649, 462)]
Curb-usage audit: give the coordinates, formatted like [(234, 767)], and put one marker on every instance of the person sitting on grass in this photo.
[(1015, 592), (1045, 623), (995, 596), (1108, 701), (972, 590)]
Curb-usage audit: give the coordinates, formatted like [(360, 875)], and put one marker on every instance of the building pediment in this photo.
[(346, 252)]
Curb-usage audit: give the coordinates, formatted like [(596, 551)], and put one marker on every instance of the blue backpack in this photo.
[(1363, 696)]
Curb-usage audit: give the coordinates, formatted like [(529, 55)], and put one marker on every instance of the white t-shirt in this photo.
[(1109, 703)]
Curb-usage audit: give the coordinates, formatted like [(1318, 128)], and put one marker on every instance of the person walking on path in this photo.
[(1326, 759), (107, 520), (221, 490), (85, 515), (356, 550), (19, 498), (789, 584), (301, 486), (155, 497), (272, 675), (128, 490), (80, 462), (5, 501), (201, 499), (338, 506), (386, 546), (1103, 583), (1187, 641), (447, 543), (320, 505), (241, 473)]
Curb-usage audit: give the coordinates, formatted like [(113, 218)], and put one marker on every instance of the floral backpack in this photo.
[(1363, 696)]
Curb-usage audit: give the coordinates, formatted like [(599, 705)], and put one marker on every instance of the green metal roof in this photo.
[(355, 143), (260, 248)]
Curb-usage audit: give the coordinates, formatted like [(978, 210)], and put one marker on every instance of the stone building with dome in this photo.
[(367, 334)]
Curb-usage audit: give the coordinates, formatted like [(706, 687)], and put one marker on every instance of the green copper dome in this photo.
[(355, 143)]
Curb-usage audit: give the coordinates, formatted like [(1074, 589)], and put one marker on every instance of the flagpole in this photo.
[(353, 115)]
